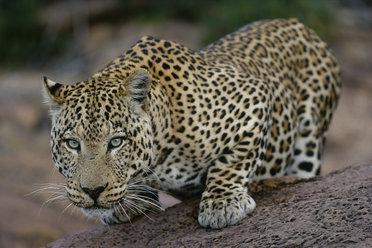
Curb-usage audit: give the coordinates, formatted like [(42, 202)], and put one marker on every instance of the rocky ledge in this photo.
[(330, 211)]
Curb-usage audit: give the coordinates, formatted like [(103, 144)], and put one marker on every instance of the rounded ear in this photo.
[(136, 88), (52, 94)]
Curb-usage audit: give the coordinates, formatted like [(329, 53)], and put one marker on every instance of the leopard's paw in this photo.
[(218, 212)]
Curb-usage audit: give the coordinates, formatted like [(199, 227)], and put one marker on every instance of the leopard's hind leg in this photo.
[(306, 160)]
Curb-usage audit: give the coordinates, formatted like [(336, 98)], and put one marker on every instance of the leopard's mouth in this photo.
[(105, 203), (114, 214), (96, 206)]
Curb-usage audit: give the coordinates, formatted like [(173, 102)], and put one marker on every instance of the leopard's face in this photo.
[(102, 143)]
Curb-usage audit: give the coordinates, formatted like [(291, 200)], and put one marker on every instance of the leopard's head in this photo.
[(101, 141)]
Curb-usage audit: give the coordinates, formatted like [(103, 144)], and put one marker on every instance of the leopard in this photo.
[(253, 105)]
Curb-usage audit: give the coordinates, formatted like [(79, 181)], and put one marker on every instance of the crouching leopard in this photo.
[(253, 105)]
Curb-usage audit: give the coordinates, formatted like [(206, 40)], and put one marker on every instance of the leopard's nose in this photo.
[(94, 193)]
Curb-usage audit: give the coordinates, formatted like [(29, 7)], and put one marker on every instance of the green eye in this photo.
[(73, 144), (115, 142)]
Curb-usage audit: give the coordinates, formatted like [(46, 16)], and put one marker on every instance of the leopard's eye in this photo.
[(115, 142), (73, 144)]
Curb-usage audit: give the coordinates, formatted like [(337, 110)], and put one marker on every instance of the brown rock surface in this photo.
[(329, 211)]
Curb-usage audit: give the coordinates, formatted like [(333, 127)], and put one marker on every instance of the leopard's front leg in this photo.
[(225, 200), (224, 203)]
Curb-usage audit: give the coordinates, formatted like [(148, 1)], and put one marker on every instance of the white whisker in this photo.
[(48, 188), (56, 192), (147, 190), (134, 208), (68, 206), (145, 199), (128, 204), (54, 199), (138, 208), (142, 186), (125, 212)]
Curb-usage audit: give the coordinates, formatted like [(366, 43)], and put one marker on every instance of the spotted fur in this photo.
[(253, 105)]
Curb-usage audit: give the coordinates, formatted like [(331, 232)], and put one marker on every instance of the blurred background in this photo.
[(70, 40)]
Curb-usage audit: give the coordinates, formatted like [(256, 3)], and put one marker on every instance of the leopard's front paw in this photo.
[(219, 211)]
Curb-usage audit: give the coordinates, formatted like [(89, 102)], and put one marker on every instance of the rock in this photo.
[(330, 211)]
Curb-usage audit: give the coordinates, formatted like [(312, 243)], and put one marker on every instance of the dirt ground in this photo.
[(27, 220)]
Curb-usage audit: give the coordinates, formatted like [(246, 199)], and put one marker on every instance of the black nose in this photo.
[(94, 193)]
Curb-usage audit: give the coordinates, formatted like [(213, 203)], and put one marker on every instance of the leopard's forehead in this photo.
[(93, 109)]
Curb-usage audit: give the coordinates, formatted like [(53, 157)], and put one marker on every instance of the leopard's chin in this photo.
[(108, 216), (98, 212)]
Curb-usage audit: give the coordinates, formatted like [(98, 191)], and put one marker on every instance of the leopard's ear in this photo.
[(52, 94), (136, 87)]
